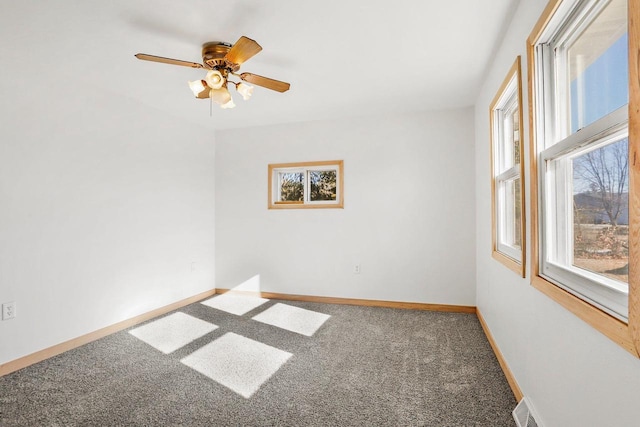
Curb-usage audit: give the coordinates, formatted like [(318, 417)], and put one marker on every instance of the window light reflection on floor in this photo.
[(241, 364), (172, 332), (294, 319), (238, 363), (233, 303)]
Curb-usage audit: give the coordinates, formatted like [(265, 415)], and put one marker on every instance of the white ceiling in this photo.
[(343, 58)]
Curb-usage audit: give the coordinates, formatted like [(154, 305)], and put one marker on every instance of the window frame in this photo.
[(607, 294), (556, 151), (305, 168), (509, 96), (627, 335)]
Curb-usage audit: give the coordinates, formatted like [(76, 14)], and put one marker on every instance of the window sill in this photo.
[(305, 206)]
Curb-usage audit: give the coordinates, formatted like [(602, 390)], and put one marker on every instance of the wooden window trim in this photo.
[(625, 335), (519, 267), (301, 205)]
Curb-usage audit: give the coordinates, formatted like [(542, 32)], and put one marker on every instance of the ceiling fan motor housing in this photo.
[(213, 56)]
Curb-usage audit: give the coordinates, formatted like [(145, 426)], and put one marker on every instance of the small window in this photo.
[(581, 87), (507, 171), (306, 185)]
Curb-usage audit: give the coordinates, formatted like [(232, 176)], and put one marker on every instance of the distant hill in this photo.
[(589, 206)]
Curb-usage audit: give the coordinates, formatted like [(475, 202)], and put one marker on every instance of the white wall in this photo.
[(104, 205), (407, 219), (573, 375)]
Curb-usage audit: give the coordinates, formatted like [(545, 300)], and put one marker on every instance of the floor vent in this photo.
[(523, 415)]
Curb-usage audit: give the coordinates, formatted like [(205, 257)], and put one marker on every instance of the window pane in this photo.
[(515, 120), (601, 211), (509, 145), (511, 216), (291, 186), (598, 67), (322, 185)]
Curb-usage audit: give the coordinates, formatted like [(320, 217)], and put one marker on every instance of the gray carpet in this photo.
[(362, 367)]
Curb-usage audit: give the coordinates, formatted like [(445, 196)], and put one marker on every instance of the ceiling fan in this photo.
[(223, 60)]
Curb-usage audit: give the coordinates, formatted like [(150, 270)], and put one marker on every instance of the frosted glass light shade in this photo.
[(245, 90), (214, 79), (221, 96), (229, 104), (197, 86)]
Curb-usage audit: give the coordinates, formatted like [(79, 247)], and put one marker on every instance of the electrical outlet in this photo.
[(356, 269), (8, 310)]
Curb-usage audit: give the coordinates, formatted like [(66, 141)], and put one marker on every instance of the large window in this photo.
[(579, 86), (306, 185), (507, 171), (583, 154)]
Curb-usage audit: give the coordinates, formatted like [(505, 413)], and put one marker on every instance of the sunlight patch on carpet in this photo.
[(238, 304), (172, 332), (294, 319), (238, 363)]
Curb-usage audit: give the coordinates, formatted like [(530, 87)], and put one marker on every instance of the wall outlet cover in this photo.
[(8, 310)]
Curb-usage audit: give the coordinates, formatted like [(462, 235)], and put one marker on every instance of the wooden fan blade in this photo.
[(272, 84), (244, 49), (154, 58)]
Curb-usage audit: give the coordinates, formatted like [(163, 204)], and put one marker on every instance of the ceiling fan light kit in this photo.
[(214, 79), (220, 96), (223, 60), (198, 87), (245, 90)]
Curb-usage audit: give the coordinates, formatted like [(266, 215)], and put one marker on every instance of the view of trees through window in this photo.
[(515, 187), (601, 211), (291, 186), (598, 70), (515, 127), (515, 212), (322, 185)]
